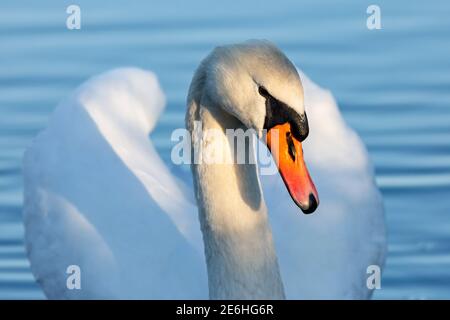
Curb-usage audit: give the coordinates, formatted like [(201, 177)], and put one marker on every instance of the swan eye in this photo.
[(263, 91)]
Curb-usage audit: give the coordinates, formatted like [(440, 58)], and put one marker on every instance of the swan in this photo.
[(98, 196)]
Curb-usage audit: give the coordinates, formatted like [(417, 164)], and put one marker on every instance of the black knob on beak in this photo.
[(312, 205)]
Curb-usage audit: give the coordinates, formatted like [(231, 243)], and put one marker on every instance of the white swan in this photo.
[(97, 195)]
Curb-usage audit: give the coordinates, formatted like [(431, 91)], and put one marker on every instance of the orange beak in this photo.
[(288, 154)]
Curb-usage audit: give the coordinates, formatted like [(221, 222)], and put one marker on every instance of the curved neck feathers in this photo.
[(239, 249)]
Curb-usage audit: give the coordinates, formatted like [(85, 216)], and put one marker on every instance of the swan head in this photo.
[(256, 83)]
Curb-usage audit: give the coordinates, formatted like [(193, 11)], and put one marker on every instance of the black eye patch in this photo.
[(263, 91), (278, 112)]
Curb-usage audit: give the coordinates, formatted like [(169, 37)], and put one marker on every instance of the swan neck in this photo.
[(239, 248)]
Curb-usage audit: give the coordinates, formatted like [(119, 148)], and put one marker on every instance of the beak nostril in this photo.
[(291, 147)]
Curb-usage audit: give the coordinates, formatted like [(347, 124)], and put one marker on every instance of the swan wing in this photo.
[(98, 196)]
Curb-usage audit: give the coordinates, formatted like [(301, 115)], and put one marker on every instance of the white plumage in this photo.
[(98, 195)]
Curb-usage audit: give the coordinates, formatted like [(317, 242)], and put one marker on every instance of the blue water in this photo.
[(393, 87)]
